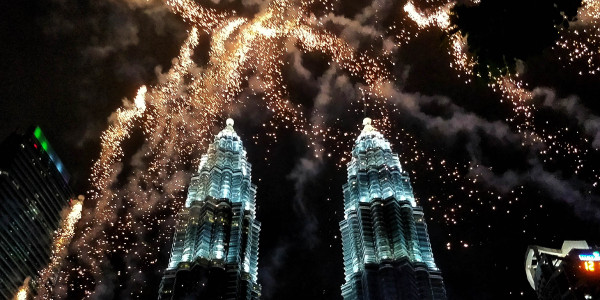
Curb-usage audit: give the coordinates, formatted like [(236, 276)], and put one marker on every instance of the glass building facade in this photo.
[(33, 190), (215, 244), (387, 252)]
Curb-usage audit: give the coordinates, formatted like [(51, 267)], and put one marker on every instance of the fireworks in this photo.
[(439, 18), (61, 240), (175, 116), (23, 293), (112, 139), (582, 39)]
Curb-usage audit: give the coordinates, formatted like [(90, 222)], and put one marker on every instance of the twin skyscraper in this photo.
[(387, 252)]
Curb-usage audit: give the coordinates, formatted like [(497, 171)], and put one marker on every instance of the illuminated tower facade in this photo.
[(33, 191), (215, 246), (387, 252)]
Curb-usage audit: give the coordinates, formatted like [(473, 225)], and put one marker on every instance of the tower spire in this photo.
[(229, 123), (367, 125)]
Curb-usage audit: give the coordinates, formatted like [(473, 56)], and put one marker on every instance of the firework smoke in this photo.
[(176, 116)]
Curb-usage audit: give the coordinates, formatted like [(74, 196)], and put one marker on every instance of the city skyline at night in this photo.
[(491, 107)]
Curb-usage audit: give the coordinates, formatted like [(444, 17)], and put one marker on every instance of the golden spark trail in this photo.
[(176, 116), (111, 143), (150, 109), (61, 241), (23, 292), (207, 18), (439, 18), (462, 62)]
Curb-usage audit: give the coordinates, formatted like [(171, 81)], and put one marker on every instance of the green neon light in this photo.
[(43, 142), (37, 133)]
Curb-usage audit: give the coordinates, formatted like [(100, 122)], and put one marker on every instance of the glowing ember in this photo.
[(175, 116), (61, 241), (23, 292)]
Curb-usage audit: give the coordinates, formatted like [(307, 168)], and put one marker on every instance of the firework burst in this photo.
[(581, 40), (176, 115)]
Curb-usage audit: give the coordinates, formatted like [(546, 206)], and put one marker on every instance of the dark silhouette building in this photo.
[(33, 191)]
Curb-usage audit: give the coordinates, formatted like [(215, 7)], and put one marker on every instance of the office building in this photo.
[(33, 190)]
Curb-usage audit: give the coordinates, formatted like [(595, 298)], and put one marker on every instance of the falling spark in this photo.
[(61, 240), (176, 116), (581, 40)]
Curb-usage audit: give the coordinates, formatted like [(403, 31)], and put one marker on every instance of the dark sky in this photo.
[(487, 193)]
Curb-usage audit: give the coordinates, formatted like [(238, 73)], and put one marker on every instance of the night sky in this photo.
[(491, 179)]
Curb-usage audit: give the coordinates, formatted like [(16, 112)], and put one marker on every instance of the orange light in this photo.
[(589, 266)]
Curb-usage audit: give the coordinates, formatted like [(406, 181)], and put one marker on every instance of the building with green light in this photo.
[(387, 252), (215, 245), (33, 191)]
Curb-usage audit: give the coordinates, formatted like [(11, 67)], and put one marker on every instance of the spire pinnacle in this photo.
[(228, 130), (367, 124)]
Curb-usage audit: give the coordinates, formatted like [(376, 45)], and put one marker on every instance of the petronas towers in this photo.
[(215, 247), (387, 253), (386, 248)]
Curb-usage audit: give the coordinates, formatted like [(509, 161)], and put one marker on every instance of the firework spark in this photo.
[(439, 18), (62, 239), (23, 292), (175, 117), (581, 40)]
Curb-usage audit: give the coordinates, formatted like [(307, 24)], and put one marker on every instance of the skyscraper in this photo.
[(572, 272), (215, 246), (33, 191), (387, 252)]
